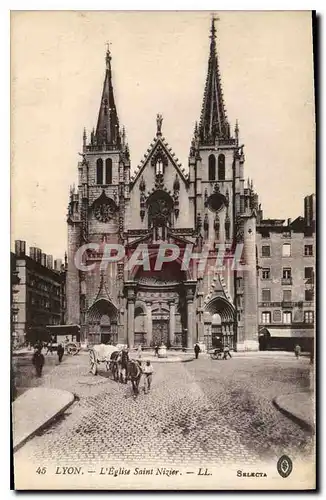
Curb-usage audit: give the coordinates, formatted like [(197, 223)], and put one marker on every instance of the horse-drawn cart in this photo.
[(101, 354), (216, 353)]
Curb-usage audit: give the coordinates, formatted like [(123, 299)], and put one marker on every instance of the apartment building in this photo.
[(286, 253)]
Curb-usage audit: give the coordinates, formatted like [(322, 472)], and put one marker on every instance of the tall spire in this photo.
[(107, 130), (213, 121)]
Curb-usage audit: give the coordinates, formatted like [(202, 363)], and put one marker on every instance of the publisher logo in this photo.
[(284, 466)]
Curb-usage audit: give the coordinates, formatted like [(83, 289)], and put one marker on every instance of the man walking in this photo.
[(297, 351), (60, 352), (226, 352), (38, 361), (148, 375), (197, 350)]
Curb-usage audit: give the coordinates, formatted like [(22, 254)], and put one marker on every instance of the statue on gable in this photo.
[(159, 120)]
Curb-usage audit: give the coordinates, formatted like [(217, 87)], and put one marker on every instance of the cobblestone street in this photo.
[(198, 412)]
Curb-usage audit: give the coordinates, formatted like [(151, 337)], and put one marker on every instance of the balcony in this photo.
[(286, 281), (287, 304), (269, 304)]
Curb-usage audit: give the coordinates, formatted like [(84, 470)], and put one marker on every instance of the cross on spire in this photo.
[(108, 54)]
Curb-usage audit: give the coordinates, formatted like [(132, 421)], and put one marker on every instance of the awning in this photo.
[(291, 333)]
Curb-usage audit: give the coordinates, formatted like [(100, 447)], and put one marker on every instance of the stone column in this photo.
[(131, 322), (130, 289), (190, 325), (250, 305), (172, 322), (149, 324)]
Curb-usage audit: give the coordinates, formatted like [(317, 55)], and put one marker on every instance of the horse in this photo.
[(134, 372), (114, 365), (119, 366)]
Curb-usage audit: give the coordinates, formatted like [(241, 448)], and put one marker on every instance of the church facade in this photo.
[(207, 209)]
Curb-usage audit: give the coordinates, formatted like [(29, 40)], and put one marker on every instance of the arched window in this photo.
[(211, 168), (159, 167), (99, 171), (221, 168), (108, 171)]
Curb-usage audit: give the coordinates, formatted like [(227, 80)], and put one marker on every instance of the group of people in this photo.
[(38, 359), (225, 349)]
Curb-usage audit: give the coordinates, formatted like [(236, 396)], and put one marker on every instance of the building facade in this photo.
[(39, 291), (208, 208), (286, 281)]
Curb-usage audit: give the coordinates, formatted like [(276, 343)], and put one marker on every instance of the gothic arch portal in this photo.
[(102, 322), (219, 316)]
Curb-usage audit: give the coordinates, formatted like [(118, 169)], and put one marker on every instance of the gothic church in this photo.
[(208, 205)]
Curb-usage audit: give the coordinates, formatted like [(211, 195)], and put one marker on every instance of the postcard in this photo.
[(163, 250)]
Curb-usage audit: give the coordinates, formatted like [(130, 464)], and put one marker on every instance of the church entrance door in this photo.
[(160, 332)]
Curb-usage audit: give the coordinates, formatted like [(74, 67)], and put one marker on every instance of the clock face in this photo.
[(104, 212)]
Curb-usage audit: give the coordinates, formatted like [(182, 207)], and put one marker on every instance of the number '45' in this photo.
[(41, 470)]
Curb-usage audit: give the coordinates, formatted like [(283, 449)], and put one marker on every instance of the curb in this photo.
[(298, 420), (44, 424)]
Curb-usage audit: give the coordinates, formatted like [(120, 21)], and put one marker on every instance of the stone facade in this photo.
[(208, 206)]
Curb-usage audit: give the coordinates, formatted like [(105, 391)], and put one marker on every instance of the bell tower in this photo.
[(211, 159), (97, 216), (221, 205)]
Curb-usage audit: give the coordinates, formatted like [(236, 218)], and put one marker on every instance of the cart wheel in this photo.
[(93, 363), (214, 356)]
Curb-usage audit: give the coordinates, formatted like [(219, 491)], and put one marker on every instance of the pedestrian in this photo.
[(148, 375), (38, 361), (156, 350), (297, 351), (226, 352), (60, 352), (50, 347), (197, 350), (139, 351)]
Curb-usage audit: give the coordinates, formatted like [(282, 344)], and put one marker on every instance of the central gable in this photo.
[(159, 150), (160, 175)]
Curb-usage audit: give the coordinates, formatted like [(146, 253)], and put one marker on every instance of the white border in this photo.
[(5, 160)]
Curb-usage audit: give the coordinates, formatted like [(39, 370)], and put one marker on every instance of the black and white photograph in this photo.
[(163, 248)]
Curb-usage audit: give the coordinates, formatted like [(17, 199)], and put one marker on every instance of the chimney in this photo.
[(43, 259), (32, 252), (20, 248), (289, 222), (35, 254), (57, 264), (49, 261)]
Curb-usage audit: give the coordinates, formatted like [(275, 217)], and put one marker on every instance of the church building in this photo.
[(208, 207)]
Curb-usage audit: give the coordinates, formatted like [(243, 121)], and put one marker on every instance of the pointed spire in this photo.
[(123, 136), (107, 130), (84, 139), (236, 132), (213, 122)]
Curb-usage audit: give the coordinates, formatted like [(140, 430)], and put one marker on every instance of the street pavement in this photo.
[(203, 411)]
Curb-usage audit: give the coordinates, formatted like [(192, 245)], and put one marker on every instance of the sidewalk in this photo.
[(35, 409), (299, 407)]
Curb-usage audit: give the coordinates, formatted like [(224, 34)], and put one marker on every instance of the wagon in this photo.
[(101, 354), (72, 348), (216, 353)]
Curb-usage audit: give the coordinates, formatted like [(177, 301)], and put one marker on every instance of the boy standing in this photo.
[(148, 375)]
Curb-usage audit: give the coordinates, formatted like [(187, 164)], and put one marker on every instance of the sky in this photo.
[(159, 62)]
